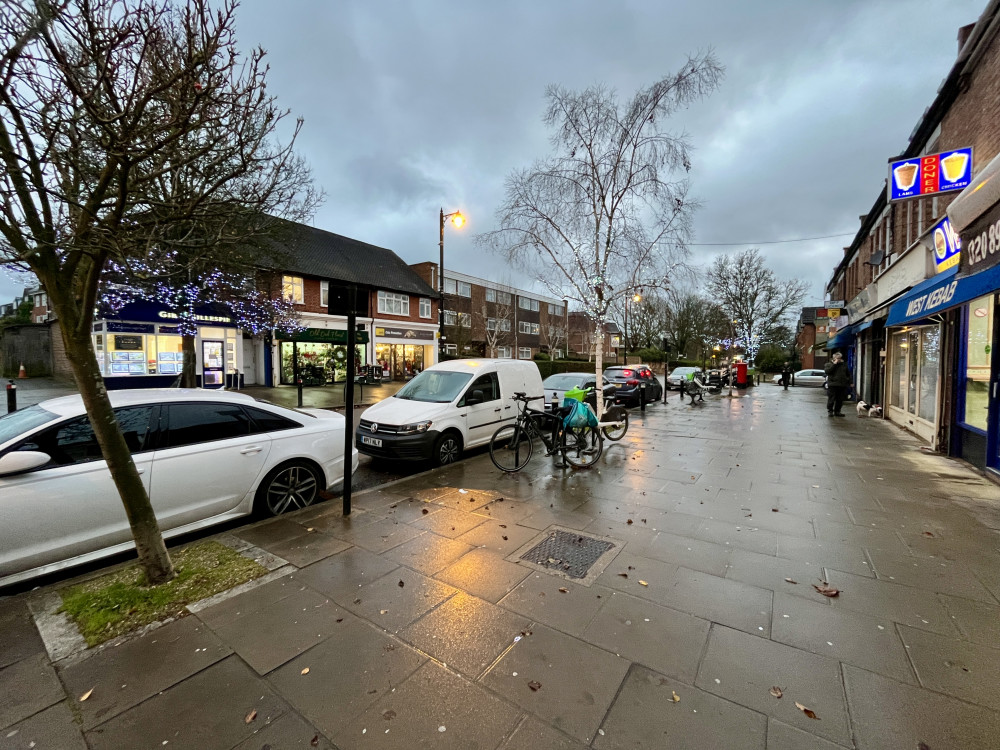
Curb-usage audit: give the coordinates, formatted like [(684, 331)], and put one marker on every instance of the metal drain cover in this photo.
[(570, 554)]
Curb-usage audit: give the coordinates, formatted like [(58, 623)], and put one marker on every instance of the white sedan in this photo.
[(804, 377), (204, 456)]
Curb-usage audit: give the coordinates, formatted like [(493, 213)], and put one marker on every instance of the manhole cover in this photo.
[(570, 554)]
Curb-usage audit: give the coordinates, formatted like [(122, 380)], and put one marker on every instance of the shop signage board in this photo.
[(980, 243), (115, 326), (926, 175), (325, 336), (404, 333), (945, 245), (125, 343)]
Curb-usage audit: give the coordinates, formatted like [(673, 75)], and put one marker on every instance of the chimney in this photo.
[(963, 35)]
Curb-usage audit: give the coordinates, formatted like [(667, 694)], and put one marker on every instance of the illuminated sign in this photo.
[(945, 245), (930, 174)]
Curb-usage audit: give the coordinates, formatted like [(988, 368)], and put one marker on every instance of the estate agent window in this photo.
[(393, 304)]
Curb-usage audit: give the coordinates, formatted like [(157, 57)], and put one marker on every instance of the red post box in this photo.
[(741, 374)]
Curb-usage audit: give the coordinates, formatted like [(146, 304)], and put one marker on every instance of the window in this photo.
[(292, 289), (491, 295), (527, 304), (556, 310), (488, 384), (425, 307), (450, 318), (503, 298), (977, 361), (557, 354), (530, 328), (74, 442), (464, 290), (265, 421), (449, 286), (450, 348), (324, 294), (491, 324), (503, 352), (504, 324), (188, 424), (393, 304), (465, 320), (524, 352)]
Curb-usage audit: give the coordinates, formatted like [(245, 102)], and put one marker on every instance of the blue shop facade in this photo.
[(140, 346)]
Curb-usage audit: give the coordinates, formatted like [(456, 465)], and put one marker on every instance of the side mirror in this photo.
[(18, 462), (476, 397)]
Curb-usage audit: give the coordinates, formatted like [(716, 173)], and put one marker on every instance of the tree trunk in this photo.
[(189, 371), (145, 530), (599, 368)]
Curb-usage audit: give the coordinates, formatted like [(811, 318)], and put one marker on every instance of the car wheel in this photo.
[(447, 449), (289, 487)]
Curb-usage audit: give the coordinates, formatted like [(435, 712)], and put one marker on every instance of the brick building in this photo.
[(582, 337)]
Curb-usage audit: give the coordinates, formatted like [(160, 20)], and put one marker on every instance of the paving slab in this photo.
[(781, 736), (903, 604), (307, 547), (380, 535), (955, 667), (850, 637), (772, 573), (502, 537), (539, 597), (428, 553), (665, 640), (432, 708), (398, 598), (251, 601), (273, 634), (466, 633), (941, 576), (27, 687), (341, 576), (533, 734), (348, 672), (738, 535), (20, 637), (169, 654), (977, 621), (560, 679), (208, 710), (847, 558), (287, 732), (691, 553), (743, 669), (888, 715), (738, 605), (644, 714), (485, 574), (51, 729)]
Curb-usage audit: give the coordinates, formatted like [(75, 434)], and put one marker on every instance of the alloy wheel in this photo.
[(290, 489)]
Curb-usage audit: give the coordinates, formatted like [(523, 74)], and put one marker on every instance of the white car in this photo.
[(204, 456), (804, 377)]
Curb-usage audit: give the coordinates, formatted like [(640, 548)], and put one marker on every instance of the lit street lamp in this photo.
[(628, 303), (458, 220)]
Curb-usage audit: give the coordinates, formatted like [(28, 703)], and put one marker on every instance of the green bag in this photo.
[(577, 394)]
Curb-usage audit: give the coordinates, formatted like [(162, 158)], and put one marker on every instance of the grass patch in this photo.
[(121, 602)]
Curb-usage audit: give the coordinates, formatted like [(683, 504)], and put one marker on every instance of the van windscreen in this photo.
[(435, 386)]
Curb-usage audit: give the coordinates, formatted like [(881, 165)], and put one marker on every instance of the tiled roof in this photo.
[(315, 252)]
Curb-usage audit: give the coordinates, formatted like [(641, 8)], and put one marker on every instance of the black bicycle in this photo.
[(512, 445)]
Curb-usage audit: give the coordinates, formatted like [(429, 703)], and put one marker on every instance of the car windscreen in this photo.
[(564, 382), (678, 371), (435, 386), (23, 420)]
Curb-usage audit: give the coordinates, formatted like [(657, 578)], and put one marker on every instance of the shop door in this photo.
[(993, 406), (212, 372)]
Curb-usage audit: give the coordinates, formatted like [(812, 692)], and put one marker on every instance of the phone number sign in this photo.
[(930, 174)]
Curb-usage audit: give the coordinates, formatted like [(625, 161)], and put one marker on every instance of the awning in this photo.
[(863, 326), (844, 337), (940, 293)]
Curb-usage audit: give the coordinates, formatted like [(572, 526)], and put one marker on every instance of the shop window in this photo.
[(449, 286), (977, 362), (188, 424), (464, 290), (930, 343), (524, 352), (898, 377), (292, 288), (393, 304), (324, 294), (450, 318), (912, 352), (425, 307)]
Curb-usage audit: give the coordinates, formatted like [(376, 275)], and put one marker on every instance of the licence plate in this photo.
[(375, 442), (618, 385)]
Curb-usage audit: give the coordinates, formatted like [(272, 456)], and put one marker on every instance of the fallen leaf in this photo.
[(401, 584), (340, 619), (86, 695), (923, 746), (505, 538), (424, 511), (310, 529), (826, 589), (807, 711), (789, 580), (357, 601), (629, 522), (623, 575), (314, 742), (776, 691), (250, 716), (927, 533), (643, 583), (643, 520), (774, 510), (534, 685), (676, 698), (383, 611), (389, 715), (503, 526), (563, 591), (305, 671)]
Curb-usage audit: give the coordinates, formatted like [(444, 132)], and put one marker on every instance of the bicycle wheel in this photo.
[(618, 431), (582, 446), (510, 448)]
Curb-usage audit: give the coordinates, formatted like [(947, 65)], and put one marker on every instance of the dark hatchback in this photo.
[(628, 379)]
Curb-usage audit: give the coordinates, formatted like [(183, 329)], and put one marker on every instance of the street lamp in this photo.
[(635, 298), (458, 220)]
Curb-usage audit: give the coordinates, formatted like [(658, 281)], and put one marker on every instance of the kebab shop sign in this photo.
[(928, 303), (930, 174)]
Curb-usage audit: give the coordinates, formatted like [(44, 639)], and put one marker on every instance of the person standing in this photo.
[(786, 375), (838, 380)]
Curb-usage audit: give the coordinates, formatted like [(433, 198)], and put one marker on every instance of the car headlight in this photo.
[(409, 429)]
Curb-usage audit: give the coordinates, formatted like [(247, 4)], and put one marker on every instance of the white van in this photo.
[(448, 407)]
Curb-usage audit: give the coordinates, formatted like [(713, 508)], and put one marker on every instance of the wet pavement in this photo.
[(415, 622)]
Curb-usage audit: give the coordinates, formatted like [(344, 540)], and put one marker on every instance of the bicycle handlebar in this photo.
[(522, 396)]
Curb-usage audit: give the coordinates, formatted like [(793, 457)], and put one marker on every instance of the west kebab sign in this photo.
[(930, 174), (981, 243)]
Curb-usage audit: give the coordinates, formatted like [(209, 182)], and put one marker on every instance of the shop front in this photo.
[(319, 356), (141, 347), (404, 352)]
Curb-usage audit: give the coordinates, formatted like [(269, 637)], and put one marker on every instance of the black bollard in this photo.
[(642, 397), (11, 396), (298, 383)]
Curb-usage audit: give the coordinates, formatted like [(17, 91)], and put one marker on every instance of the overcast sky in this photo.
[(414, 106)]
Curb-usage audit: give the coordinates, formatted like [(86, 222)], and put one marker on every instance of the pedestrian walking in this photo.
[(786, 375), (838, 381)]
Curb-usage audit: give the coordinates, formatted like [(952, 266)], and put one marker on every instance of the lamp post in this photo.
[(458, 220), (628, 303)]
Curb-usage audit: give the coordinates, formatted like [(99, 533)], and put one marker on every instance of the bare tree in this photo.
[(605, 214), (640, 321), (498, 318), (553, 335), (755, 299), (126, 127)]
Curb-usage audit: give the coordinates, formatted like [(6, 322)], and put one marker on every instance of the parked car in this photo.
[(204, 456), (556, 385), (627, 379), (447, 408), (678, 375), (804, 377)]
